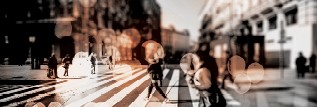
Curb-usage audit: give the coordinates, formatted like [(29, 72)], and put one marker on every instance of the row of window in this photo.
[(290, 16)]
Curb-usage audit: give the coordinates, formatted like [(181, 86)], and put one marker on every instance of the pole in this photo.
[(282, 61), (32, 57), (85, 28), (282, 41)]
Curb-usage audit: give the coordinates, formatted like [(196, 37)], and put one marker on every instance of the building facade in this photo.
[(70, 26), (175, 44), (287, 26)]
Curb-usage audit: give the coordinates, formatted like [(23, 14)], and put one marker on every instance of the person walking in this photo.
[(66, 61), (109, 56), (205, 79), (312, 63), (155, 72), (93, 63), (52, 63), (301, 65)]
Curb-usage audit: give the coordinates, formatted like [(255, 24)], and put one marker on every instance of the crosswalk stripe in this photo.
[(172, 89), (165, 71), (122, 76), (139, 102), (72, 84), (230, 100), (82, 89), (5, 88), (117, 97), (156, 97), (261, 100), (194, 95), (24, 88), (40, 85), (97, 94)]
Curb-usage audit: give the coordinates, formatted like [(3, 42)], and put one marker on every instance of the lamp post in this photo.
[(32, 40), (282, 41), (86, 4)]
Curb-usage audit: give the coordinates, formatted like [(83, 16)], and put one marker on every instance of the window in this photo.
[(291, 17), (259, 26), (272, 22)]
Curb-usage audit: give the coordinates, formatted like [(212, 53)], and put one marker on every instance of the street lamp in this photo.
[(282, 41), (86, 4), (32, 40)]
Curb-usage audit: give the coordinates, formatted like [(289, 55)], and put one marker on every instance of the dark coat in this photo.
[(156, 71), (52, 62), (93, 60), (312, 60), (301, 64), (66, 61)]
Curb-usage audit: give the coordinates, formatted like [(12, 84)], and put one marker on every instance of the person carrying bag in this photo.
[(205, 79), (66, 61)]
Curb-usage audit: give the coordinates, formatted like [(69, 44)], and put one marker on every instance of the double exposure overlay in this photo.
[(158, 53)]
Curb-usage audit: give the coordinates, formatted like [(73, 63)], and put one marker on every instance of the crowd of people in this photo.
[(202, 74), (67, 61)]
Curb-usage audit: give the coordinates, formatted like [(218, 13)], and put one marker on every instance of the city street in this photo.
[(267, 48), (127, 86)]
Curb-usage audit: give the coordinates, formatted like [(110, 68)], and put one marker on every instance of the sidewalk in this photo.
[(272, 79)]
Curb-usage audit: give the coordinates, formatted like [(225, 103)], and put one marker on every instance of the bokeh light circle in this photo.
[(90, 104), (134, 36), (153, 49), (187, 60), (255, 72), (55, 104), (236, 65), (243, 83)]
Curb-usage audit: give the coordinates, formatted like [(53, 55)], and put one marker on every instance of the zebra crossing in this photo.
[(121, 87)]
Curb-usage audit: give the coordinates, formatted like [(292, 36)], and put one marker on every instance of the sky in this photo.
[(182, 14)]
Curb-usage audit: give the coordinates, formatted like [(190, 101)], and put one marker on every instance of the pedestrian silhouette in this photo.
[(93, 63), (52, 64), (155, 72), (205, 79), (66, 61), (301, 65), (109, 56), (312, 63)]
